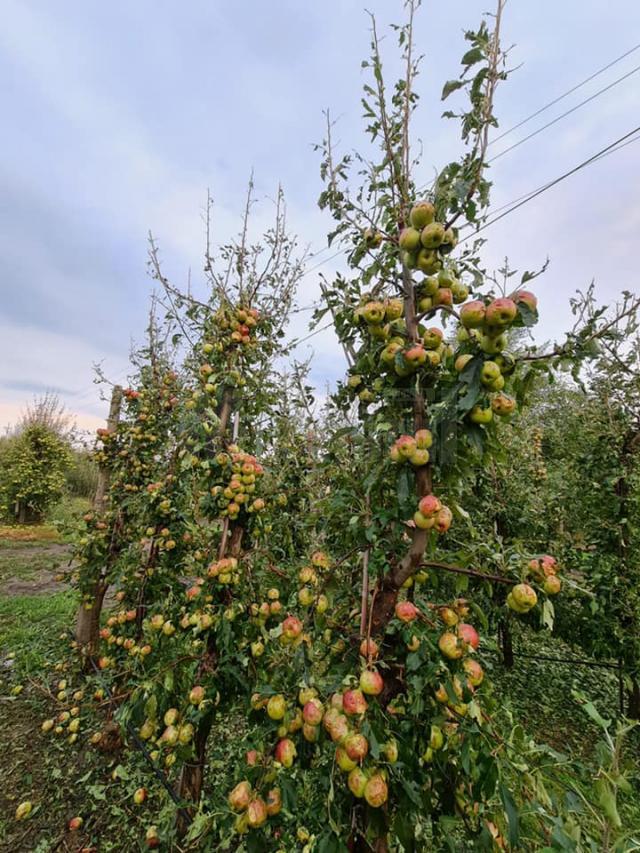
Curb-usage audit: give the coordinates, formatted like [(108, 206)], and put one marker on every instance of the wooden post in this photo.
[(88, 620)]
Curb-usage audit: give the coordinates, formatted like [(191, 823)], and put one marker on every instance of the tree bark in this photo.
[(88, 619)]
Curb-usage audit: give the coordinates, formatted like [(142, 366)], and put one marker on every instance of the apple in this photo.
[(371, 682), (196, 695), (469, 634), (432, 338), (432, 235), (276, 707), (460, 292), (406, 611), (501, 312), (474, 672), (479, 415), (354, 703), (444, 297), (424, 439), (369, 649), (171, 717), (313, 712), (415, 355), (376, 791), (390, 750), (522, 598), (285, 752), (422, 213), (450, 646), (306, 694), (139, 796), (252, 757), (552, 585), (343, 761), (310, 733), (357, 782), (373, 313), (503, 405), (257, 649), (406, 446), (419, 457), (436, 738), (152, 838), (356, 746), (74, 824), (292, 627), (336, 725), (257, 813), (24, 810), (409, 239), (472, 314), (47, 725), (489, 372), (388, 354), (462, 361), (423, 522), (273, 802), (430, 505), (428, 261), (443, 520), (526, 297), (448, 616)]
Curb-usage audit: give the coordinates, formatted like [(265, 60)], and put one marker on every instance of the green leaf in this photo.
[(449, 87), (512, 815), (472, 56)]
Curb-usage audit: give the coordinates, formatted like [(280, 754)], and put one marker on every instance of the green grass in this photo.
[(30, 628)]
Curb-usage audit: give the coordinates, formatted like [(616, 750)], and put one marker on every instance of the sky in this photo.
[(118, 117)]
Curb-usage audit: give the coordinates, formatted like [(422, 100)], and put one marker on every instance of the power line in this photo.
[(531, 192), (545, 187), (567, 93), (568, 112)]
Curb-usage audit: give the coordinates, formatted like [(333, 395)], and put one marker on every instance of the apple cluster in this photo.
[(253, 810), (240, 472), (545, 571), (432, 514), (424, 242), (412, 448)]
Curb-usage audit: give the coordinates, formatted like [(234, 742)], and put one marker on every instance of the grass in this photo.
[(30, 627)]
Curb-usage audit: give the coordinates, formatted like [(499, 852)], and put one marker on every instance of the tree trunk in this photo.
[(88, 620), (506, 643)]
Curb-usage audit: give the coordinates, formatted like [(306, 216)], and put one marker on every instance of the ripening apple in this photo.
[(427, 261), (526, 297), (285, 752), (313, 712), (480, 415), (436, 738), (448, 616), (256, 812), (24, 810), (415, 355), (419, 457), (462, 361), (472, 314), (357, 782), (474, 672), (74, 824), (369, 649), (430, 505), (310, 733), (432, 338), (196, 694), (306, 596), (292, 627), (552, 585), (444, 297), (460, 292), (501, 312), (422, 214), (336, 724), (371, 682), (390, 750), (139, 796), (450, 646), (503, 405), (469, 634), (152, 838), (443, 520), (376, 791), (409, 239), (522, 598), (373, 313), (343, 761), (424, 439), (406, 611), (422, 521), (372, 238), (354, 703), (276, 707), (394, 308), (489, 372), (406, 446), (432, 235), (356, 746), (274, 802)]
